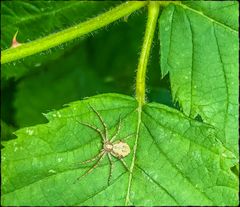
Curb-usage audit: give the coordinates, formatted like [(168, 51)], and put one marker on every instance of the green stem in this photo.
[(71, 33), (153, 11)]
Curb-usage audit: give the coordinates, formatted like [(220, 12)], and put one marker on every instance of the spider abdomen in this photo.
[(120, 149)]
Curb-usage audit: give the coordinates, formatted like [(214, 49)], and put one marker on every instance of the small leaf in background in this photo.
[(7, 131), (8, 89), (50, 17), (199, 49), (173, 152)]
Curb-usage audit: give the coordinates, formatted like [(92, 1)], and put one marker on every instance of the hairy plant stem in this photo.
[(153, 11), (71, 33)]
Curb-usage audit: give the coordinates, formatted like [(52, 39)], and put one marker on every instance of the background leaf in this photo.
[(50, 17), (46, 175), (199, 49), (7, 131), (68, 78)]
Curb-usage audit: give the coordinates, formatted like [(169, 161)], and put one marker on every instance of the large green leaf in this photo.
[(50, 17), (174, 160), (199, 49)]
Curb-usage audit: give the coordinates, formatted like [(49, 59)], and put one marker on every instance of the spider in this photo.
[(118, 149)]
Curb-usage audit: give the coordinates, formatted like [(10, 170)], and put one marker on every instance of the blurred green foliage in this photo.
[(104, 61)]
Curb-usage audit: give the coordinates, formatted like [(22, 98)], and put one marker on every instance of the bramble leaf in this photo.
[(199, 50), (169, 152), (49, 17)]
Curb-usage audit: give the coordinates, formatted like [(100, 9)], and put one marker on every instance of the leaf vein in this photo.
[(23, 20), (192, 66), (186, 178), (158, 184), (180, 135), (105, 187), (225, 80), (208, 18)]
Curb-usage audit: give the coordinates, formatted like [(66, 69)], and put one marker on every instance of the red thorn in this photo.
[(15, 43)]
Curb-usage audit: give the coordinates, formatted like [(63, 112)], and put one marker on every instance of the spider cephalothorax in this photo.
[(108, 146), (118, 149)]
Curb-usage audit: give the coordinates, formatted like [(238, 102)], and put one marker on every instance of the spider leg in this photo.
[(92, 159), (127, 137), (124, 163), (118, 130), (101, 119), (92, 168), (111, 168), (94, 128)]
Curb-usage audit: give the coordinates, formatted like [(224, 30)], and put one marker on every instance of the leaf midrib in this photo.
[(207, 17), (226, 84), (40, 15), (127, 199)]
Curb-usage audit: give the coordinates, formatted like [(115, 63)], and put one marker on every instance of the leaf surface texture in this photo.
[(199, 50), (173, 152)]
